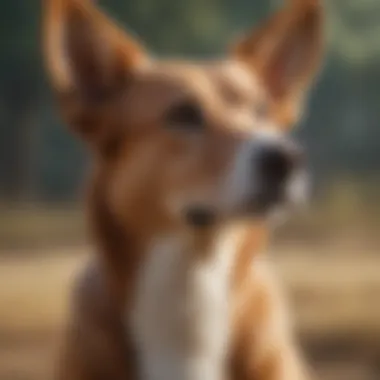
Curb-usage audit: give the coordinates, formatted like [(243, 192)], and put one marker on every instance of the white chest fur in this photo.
[(180, 318)]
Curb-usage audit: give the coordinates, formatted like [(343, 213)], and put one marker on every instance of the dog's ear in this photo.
[(89, 60), (285, 53)]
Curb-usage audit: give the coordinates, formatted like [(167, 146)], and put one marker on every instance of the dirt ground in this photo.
[(336, 301)]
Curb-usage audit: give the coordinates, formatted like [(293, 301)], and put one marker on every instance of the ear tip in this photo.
[(315, 5), (311, 10)]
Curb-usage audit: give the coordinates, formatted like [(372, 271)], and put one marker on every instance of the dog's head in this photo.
[(181, 142)]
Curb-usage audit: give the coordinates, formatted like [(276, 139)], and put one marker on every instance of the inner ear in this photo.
[(101, 58), (90, 61), (84, 49), (285, 53)]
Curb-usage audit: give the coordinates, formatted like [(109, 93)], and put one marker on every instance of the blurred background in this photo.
[(328, 256)]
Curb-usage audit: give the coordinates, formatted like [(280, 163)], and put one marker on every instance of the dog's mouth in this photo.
[(199, 216)]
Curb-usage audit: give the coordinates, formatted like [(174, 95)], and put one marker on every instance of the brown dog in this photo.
[(190, 160)]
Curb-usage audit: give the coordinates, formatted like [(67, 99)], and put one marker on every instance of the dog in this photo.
[(190, 161)]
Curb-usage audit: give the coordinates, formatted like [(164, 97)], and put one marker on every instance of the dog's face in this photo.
[(200, 145), (188, 143)]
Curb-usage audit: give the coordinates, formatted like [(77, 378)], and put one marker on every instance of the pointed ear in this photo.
[(285, 53), (88, 58)]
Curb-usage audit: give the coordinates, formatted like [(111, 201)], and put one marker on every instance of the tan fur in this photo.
[(115, 97)]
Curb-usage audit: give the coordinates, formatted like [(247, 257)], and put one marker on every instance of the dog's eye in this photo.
[(186, 116)]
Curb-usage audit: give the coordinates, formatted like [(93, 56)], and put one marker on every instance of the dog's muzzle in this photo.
[(276, 180), (279, 176)]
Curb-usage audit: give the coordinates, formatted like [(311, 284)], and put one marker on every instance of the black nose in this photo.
[(277, 160)]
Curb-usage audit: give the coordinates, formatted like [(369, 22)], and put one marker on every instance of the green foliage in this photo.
[(354, 30)]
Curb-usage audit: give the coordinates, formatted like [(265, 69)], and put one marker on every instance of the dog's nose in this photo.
[(276, 161)]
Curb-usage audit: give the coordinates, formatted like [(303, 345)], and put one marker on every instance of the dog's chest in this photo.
[(180, 318)]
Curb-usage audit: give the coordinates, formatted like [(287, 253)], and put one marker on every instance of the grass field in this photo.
[(336, 301)]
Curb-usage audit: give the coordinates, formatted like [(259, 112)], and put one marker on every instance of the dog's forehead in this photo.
[(218, 86), (206, 78), (235, 77)]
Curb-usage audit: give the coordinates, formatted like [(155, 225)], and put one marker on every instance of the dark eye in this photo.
[(187, 116)]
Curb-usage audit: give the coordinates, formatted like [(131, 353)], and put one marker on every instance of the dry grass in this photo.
[(33, 290), (334, 297), (30, 226)]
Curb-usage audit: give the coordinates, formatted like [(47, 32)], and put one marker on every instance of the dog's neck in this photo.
[(180, 314), (173, 289)]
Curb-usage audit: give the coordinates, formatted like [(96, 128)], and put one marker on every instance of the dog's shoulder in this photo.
[(95, 343)]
